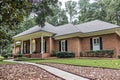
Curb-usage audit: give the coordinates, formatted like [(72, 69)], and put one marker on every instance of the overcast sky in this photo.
[(63, 2)]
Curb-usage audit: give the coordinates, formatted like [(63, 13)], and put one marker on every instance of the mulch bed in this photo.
[(89, 72), (24, 72)]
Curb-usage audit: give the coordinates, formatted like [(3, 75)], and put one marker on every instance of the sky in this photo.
[(63, 2)]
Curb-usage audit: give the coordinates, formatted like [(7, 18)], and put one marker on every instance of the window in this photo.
[(44, 46), (24, 47), (63, 45), (96, 41)]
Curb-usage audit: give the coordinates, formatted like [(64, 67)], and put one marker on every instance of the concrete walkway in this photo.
[(60, 73)]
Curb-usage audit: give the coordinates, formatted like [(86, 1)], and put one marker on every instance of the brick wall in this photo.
[(109, 41), (73, 45)]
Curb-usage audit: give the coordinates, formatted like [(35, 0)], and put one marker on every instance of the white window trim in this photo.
[(97, 42), (95, 38), (63, 46)]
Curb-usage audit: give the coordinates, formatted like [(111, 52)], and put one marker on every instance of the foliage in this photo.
[(105, 10), (70, 7), (1, 58), (54, 53), (18, 55), (25, 25), (59, 17), (13, 13), (118, 56), (98, 53), (26, 59), (65, 54), (42, 9)]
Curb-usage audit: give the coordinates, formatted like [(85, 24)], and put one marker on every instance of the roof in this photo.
[(91, 26), (48, 28), (66, 29), (95, 25)]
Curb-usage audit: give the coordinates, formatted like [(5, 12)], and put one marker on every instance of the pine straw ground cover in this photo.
[(89, 72), (24, 72)]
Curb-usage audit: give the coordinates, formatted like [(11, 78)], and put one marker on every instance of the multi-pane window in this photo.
[(96, 41)]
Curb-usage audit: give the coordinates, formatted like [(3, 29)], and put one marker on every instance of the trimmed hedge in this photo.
[(65, 54), (98, 53)]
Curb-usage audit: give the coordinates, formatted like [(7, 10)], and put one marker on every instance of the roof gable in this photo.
[(48, 28)]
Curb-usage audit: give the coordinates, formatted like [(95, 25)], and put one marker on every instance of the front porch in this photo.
[(34, 46)]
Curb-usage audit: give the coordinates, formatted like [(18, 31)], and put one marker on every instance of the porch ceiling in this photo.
[(33, 35)]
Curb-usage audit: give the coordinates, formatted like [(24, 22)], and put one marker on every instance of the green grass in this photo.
[(4, 62), (106, 63)]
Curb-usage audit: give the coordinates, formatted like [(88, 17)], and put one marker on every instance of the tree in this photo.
[(42, 9), (113, 11), (70, 7), (26, 24), (84, 11), (12, 13), (59, 17)]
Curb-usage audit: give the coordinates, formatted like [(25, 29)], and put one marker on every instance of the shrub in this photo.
[(10, 55), (98, 53), (54, 53), (26, 59), (65, 54), (5, 56), (118, 56), (1, 58), (19, 55)]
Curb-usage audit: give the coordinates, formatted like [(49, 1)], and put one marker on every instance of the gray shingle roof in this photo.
[(48, 27), (95, 25), (91, 26), (66, 29)]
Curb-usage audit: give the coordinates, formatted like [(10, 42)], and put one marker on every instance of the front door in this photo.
[(96, 43)]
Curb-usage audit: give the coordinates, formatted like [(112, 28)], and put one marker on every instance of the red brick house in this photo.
[(93, 35)]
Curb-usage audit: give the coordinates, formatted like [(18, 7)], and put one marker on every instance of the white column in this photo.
[(21, 46), (30, 46), (42, 44), (15, 47), (50, 45)]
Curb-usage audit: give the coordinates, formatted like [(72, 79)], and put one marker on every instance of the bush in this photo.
[(1, 58), (54, 53), (10, 55), (26, 59), (65, 54), (98, 53), (19, 55), (118, 56), (5, 56)]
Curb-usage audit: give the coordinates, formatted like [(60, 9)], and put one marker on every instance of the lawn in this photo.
[(106, 63), (4, 62)]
